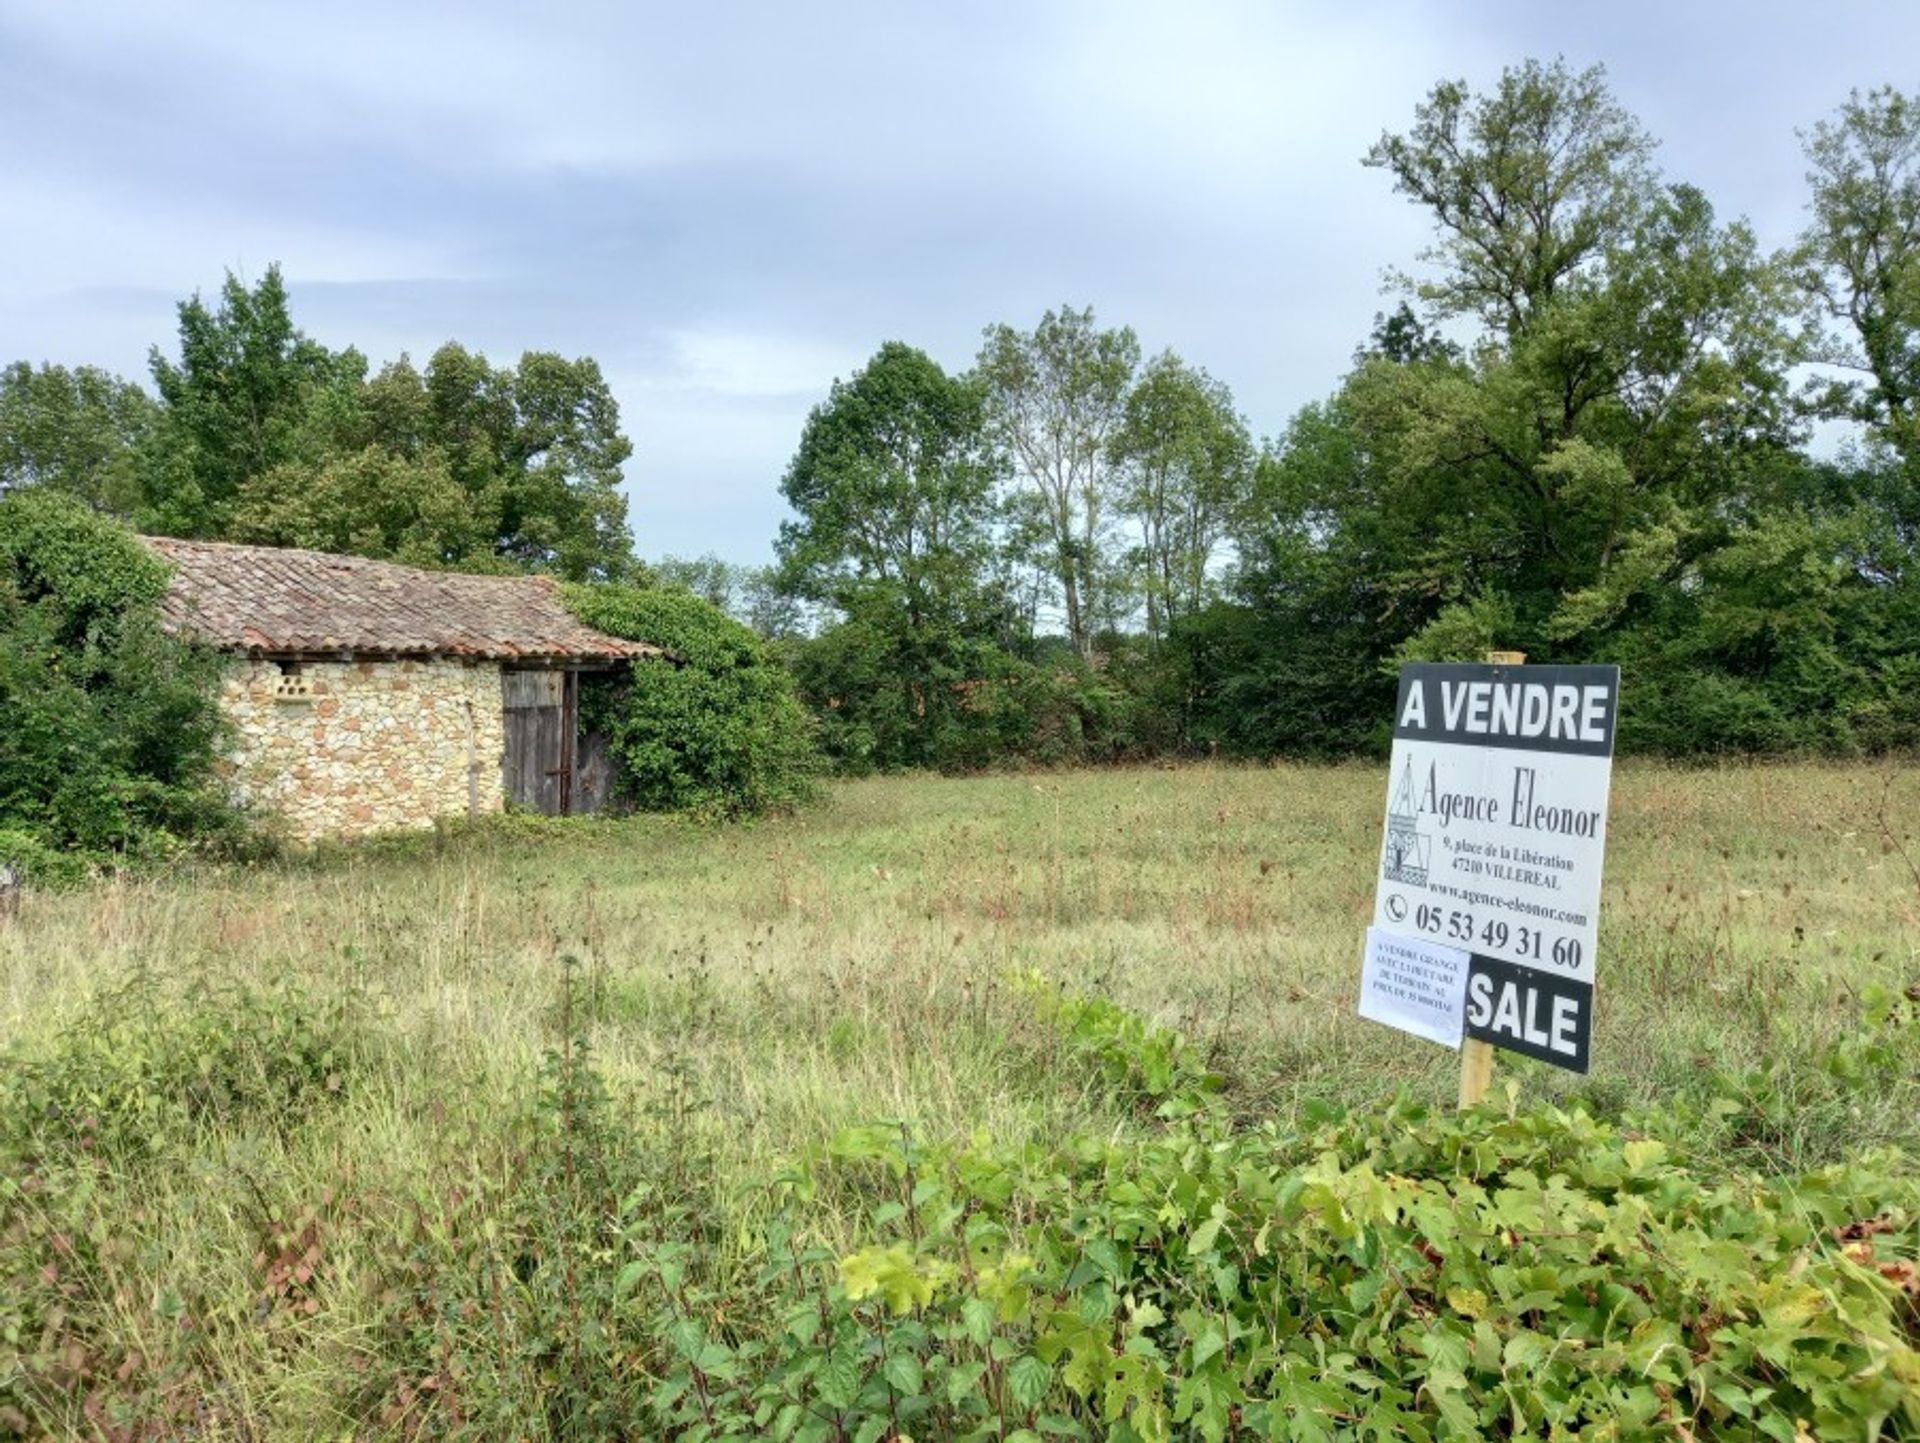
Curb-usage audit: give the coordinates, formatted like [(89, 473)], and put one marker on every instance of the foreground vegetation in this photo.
[(1021, 1107)]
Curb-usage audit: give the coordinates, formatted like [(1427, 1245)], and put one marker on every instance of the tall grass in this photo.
[(255, 1119)]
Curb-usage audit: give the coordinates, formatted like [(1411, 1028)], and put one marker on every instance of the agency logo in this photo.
[(1407, 853)]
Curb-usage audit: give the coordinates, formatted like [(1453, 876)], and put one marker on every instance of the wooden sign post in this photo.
[(1476, 1057)]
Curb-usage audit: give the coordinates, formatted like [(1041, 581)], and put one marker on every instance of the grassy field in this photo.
[(248, 1109)]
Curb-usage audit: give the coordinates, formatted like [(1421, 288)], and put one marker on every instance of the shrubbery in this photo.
[(149, 1062), (716, 729), (112, 726)]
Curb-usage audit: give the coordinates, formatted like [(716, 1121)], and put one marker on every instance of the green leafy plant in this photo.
[(1390, 1273), (717, 729), (129, 1087), (112, 736)]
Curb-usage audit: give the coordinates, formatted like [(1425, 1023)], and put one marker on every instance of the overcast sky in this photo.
[(729, 204)]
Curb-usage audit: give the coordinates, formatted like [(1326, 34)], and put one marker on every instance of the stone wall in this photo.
[(343, 749)]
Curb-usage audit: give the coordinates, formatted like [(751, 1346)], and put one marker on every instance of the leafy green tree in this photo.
[(1056, 399), (765, 605), (714, 580), (1526, 186), (536, 449), (1628, 397), (249, 392), (1862, 256), (371, 502), (1293, 665), (112, 736), (893, 486), (265, 434), (1612, 470), (1402, 335), (757, 596), (81, 431), (465, 465), (1186, 462), (563, 506)]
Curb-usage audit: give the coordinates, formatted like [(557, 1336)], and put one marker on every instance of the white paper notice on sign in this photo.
[(1415, 985)]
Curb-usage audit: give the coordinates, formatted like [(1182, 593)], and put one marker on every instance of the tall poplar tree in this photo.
[(1056, 400), (1186, 462), (1861, 256)]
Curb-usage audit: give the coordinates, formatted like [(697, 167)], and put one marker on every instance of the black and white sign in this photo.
[(1496, 830)]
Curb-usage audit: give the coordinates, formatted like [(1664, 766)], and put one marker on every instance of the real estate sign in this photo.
[(1496, 829)]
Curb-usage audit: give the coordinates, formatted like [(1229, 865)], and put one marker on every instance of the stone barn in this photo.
[(372, 697)]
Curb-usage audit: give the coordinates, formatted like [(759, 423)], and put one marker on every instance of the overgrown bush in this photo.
[(147, 1075), (1392, 1273), (147, 1063), (717, 729), (111, 727), (888, 700)]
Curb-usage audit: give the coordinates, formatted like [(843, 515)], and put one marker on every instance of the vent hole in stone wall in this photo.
[(292, 684)]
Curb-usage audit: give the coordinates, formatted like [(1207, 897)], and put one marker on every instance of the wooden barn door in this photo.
[(541, 721)]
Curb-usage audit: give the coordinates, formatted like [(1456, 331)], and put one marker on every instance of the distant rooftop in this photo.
[(276, 601)]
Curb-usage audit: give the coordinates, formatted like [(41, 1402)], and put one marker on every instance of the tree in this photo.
[(80, 431), (1861, 255), (371, 502), (1599, 450), (1403, 336), (1612, 470), (1056, 399), (1186, 460), (1860, 261), (756, 596), (709, 577), (536, 449), (1526, 186), (563, 509), (893, 486), (466, 464), (1294, 666), (762, 601), (894, 489), (265, 434), (248, 393)]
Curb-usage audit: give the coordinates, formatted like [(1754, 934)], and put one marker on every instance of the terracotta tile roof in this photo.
[(276, 601)]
